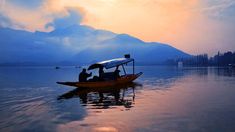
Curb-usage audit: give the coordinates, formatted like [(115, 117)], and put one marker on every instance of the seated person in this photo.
[(116, 73), (109, 75), (84, 75), (101, 73), (94, 79)]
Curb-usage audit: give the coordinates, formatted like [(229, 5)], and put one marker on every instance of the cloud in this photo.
[(35, 15), (4, 21), (220, 9), (73, 18), (7, 22)]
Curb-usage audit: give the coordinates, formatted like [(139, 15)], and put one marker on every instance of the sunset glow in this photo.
[(117, 65), (195, 26)]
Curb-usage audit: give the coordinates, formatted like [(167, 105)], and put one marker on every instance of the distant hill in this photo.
[(78, 44)]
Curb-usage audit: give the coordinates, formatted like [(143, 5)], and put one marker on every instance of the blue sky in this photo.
[(31, 4)]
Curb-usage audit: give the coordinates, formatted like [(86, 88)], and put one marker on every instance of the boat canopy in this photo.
[(110, 63)]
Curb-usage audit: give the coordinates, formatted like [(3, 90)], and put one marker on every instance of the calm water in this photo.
[(162, 99)]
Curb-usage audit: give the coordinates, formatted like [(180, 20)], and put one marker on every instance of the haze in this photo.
[(195, 26)]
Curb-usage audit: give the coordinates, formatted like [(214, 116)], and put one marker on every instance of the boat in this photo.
[(57, 67), (107, 64)]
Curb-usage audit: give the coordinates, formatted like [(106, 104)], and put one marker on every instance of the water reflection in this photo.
[(200, 71), (230, 72), (104, 98), (171, 99)]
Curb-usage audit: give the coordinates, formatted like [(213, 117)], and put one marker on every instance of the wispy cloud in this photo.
[(220, 9)]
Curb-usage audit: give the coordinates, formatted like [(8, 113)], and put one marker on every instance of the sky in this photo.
[(194, 26)]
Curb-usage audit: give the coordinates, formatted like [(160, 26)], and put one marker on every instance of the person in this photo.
[(101, 73), (84, 75), (116, 73)]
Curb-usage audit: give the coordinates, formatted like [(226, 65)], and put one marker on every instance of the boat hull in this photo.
[(122, 80)]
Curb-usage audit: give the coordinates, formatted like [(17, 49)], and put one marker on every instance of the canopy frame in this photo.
[(113, 63)]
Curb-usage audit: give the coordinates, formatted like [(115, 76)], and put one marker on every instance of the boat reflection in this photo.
[(104, 98)]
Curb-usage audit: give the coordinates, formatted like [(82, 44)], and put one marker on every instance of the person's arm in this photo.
[(89, 74)]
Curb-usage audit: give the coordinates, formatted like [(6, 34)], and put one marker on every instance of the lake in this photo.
[(162, 99)]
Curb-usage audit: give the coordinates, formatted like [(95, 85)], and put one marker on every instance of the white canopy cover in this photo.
[(110, 63)]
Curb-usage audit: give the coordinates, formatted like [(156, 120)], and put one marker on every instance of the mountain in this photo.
[(143, 52), (78, 44)]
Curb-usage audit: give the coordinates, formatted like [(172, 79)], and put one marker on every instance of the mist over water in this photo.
[(162, 99)]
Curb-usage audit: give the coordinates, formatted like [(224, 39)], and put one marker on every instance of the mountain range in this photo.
[(78, 45)]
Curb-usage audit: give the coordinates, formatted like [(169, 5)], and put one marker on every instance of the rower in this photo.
[(116, 73), (84, 75), (101, 72)]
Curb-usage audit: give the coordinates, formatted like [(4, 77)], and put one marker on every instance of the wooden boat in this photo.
[(127, 78), (122, 80)]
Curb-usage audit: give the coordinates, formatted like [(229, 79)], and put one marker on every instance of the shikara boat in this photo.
[(123, 79)]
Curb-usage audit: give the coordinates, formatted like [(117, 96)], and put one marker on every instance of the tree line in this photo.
[(220, 59)]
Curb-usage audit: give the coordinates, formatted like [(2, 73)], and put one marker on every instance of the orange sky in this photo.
[(161, 20), (180, 23), (184, 24)]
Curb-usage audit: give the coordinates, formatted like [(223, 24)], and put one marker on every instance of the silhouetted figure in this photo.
[(83, 75), (101, 71), (116, 73)]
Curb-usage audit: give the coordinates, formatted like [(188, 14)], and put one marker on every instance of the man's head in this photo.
[(84, 70)]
